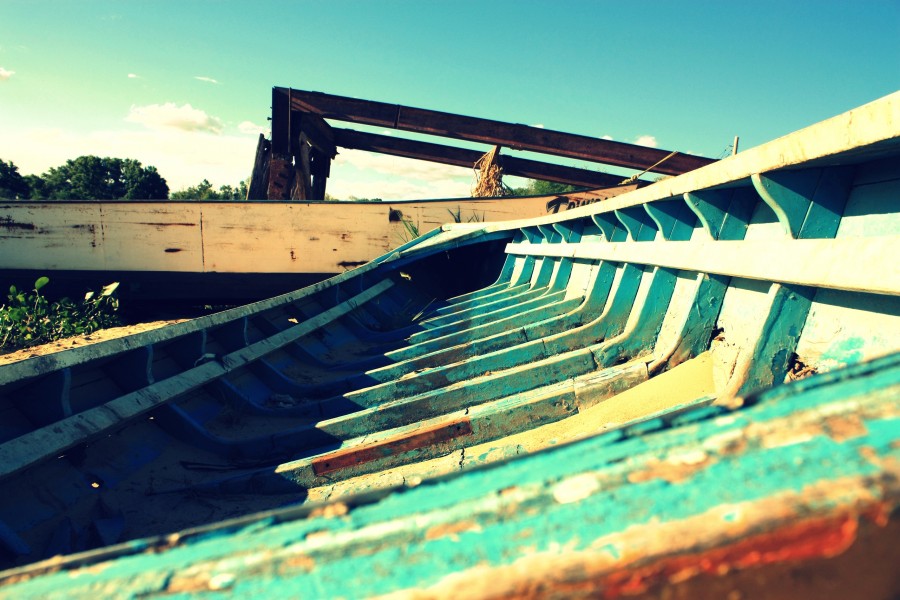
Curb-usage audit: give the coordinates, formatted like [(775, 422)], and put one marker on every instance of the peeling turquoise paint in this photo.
[(846, 352), (542, 523)]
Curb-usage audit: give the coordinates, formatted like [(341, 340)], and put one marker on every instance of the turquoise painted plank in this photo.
[(579, 496), (635, 220), (478, 332), (535, 325), (610, 323), (642, 338), (455, 353), (487, 422), (483, 308), (483, 318), (491, 294), (789, 195)]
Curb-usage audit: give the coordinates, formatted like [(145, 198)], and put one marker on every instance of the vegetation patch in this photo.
[(28, 318)]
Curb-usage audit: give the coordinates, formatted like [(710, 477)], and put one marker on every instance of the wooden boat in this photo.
[(229, 252), (214, 252), (692, 390)]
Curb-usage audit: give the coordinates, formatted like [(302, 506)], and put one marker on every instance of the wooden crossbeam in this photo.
[(509, 135), (462, 157)]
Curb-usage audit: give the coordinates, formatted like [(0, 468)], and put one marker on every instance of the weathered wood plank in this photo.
[(240, 237), (835, 264), (809, 470), (49, 441)]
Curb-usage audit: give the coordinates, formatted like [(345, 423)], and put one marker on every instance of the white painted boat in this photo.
[(229, 251)]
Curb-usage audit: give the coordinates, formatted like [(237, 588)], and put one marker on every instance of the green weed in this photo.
[(28, 318)]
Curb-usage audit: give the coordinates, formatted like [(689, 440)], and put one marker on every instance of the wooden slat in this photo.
[(516, 136), (844, 263), (58, 437)]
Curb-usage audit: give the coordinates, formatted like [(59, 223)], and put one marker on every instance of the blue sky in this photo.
[(185, 85)]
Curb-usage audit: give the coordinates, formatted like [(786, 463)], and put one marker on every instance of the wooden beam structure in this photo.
[(509, 135), (463, 157), (304, 144)]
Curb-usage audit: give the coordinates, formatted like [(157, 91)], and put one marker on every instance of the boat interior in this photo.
[(482, 358)]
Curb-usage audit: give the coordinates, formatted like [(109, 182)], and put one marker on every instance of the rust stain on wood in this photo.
[(450, 529), (816, 538), (343, 459)]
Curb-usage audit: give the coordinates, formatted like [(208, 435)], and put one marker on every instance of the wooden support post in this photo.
[(281, 168), (320, 168), (281, 175), (312, 143), (302, 187), (259, 178)]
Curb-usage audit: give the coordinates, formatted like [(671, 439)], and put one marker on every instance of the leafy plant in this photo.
[(29, 318), (457, 216), (412, 231)]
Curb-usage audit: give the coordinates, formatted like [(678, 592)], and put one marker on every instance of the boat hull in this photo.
[(212, 252), (693, 388)]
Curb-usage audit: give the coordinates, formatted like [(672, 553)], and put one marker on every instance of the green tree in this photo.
[(539, 187), (205, 191), (37, 186), (12, 185), (95, 178), (202, 191)]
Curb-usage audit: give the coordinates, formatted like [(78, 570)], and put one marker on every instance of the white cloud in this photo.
[(607, 137), (206, 79), (538, 125), (171, 116), (251, 128), (370, 175), (405, 167), (343, 188), (177, 144), (646, 140), (183, 158), (133, 76), (5, 74)]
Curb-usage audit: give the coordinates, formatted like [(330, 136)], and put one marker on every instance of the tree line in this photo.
[(95, 178), (538, 187)]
